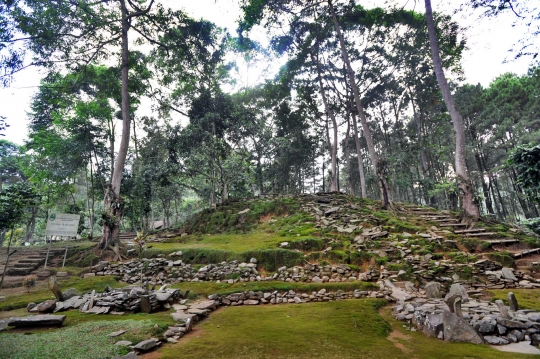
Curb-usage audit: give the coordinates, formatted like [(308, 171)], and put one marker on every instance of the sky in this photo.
[(488, 43)]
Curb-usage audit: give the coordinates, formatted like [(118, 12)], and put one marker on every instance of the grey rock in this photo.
[(502, 309), (125, 343), (433, 290), (535, 339), (457, 329), (116, 334), (518, 335), (70, 293), (146, 345), (3, 325), (507, 273), (457, 288), (493, 340), (130, 355), (433, 325), (486, 327), (45, 307), (36, 320), (512, 324), (251, 302), (512, 301)]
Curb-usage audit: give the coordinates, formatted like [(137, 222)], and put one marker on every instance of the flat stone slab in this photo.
[(146, 345), (521, 347), (180, 316), (206, 305), (36, 320), (3, 325), (118, 333)]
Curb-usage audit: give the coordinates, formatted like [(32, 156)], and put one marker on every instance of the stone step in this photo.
[(480, 234), (445, 220), (474, 230), (453, 225), (20, 271), (501, 241), (25, 265), (37, 261), (527, 252)]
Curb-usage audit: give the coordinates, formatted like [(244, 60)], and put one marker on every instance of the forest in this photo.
[(139, 118)]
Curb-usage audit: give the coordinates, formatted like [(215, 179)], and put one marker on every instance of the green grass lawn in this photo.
[(258, 239), (527, 298), (84, 341), (341, 329)]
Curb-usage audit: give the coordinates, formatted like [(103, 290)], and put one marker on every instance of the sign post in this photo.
[(64, 225)]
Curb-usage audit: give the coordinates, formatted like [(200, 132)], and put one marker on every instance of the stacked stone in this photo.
[(316, 273), (493, 323), (292, 297), (117, 301)]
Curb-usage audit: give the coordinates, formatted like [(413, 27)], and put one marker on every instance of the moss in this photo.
[(504, 258)]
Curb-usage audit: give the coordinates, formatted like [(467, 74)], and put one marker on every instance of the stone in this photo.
[(512, 324), (493, 340), (433, 325), (451, 302), (70, 293), (486, 327), (180, 316), (507, 273), (512, 301), (457, 329), (124, 343), (29, 306), (3, 325), (116, 334), (88, 275), (37, 320), (205, 305), (251, 302), (535, 339), (457, 288), (244, 211), (146, 307), (502, 309), (147, 345), (61, 274), (55, 288), (45, 307), (433, 290)]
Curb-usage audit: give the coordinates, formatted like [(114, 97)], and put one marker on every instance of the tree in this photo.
[(526, 160), (466, 191), (13, 202), (77, 33)]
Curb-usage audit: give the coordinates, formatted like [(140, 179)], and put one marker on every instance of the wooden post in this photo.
[(65, 254), (48, 250)]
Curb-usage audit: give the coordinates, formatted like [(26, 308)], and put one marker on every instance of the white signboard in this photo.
[(62, 224)]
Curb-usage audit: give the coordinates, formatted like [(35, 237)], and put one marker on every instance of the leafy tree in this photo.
[(13, 202), (526, 160)]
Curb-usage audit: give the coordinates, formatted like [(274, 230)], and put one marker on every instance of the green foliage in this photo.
[(526, 160), (504, 258)]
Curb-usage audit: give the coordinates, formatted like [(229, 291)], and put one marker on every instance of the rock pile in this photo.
[(117, 301), (456, 318)]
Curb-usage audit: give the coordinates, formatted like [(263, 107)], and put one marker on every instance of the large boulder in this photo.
[(457, 329), (44, 307)]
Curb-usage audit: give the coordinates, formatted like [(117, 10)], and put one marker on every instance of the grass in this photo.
[(20, 300), (238, 243), (86, 340), (317, 330), (341, 329), (207, 288), (526, 298)]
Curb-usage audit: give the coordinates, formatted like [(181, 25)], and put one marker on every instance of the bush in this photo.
[(29, 282)]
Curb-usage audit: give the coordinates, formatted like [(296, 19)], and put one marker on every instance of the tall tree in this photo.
[(464, 183)]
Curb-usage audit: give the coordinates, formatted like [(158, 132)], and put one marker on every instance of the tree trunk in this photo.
[(112, 202), (464, 183), (377, 168), (359, 157), (347, 157), (331, 115)]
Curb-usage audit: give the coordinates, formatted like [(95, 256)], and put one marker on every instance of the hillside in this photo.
[(295, 249)]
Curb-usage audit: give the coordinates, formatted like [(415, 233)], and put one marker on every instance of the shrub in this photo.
[(29, 282)]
